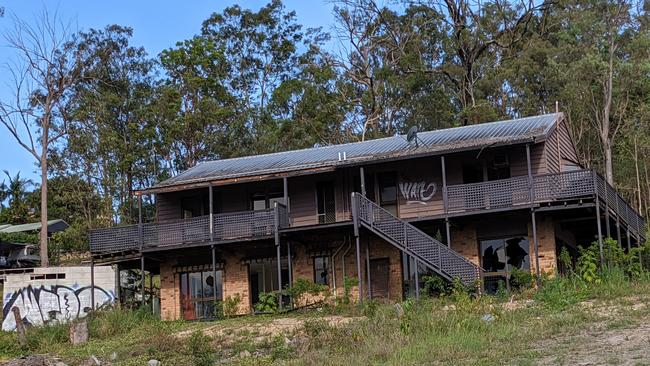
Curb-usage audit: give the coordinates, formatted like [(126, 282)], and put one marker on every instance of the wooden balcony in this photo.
[(243, 225), (546, 189), (504, 194)]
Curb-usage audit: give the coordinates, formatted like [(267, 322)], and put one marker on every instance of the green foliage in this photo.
[(302, 287), (22, 237), (565, 260), (588, 263), (201, 349), (268, 302), (559, 293), (348, 284), (435, 286), (521, 279), (230, 305)]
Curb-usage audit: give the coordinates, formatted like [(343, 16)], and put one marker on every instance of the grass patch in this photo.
[(453, 329)]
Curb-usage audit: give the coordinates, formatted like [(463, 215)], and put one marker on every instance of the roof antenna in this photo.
[(412, 135)]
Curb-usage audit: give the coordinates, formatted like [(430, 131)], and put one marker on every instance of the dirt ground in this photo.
[(623, 346), (608, 342), (263, 331)]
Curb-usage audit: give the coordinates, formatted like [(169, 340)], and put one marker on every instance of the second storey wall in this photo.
[(418, 185)]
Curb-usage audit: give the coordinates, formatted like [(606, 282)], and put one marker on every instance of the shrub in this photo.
[(268, 302), (558, 293), (588, 263), (200, 349), (521, 279), (348, 283), (302, 287), (435, 286), (230, 305)]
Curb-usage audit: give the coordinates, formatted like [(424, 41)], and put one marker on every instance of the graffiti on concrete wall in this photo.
[(55, 303), (417, 192)]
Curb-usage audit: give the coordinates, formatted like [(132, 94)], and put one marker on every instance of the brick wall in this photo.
[(464, 241), (170, 300), (235, 281), (546, 239)]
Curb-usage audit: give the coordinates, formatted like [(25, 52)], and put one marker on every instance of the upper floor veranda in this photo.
[(531, 162)]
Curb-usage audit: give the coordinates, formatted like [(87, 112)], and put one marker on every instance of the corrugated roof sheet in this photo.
[(52, 225), (430, 142)]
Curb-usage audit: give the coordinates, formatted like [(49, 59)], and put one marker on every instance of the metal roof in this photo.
[(52, 226), (506, 132)]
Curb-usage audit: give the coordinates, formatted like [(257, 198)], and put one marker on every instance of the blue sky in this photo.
[(156, 25)]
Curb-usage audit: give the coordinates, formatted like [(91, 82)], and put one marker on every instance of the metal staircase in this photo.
[(413, 241)]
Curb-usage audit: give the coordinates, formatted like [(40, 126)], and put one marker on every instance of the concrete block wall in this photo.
[(56, 294)]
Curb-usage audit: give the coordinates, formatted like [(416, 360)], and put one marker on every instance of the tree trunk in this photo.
[(45, 262), (609, 174)]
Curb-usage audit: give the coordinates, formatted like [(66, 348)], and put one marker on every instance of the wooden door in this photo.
[(379, 271)]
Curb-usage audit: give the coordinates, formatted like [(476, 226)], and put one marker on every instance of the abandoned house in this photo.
[(473, 202)]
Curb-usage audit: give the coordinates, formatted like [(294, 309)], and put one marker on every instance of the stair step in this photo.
[(413, 241)]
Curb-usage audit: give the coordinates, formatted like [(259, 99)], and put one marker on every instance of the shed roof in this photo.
[(507, 132), (52, 227)]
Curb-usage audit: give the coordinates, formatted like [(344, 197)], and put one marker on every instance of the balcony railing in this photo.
[(516, 191), (499, 194), (225, 227)]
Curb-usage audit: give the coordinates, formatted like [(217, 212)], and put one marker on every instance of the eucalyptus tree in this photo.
[(112, 139), (46, 67)]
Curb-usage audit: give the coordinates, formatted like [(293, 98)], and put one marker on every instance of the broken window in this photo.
[(321, 270), (197, 294), (500, 256)]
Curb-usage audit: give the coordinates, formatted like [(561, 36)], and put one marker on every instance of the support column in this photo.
[(290, 266), (536, 243), (368, 269), (151, 291), (445, 202), (210, 198), (363, 181), (533, 218), (355, 220), (142, 280), (618, 224), (598, 223), (118, 283), (140, 236), (92, 283), (417, 279), (629, 240), (214, 272), (285, 190), (276, 215), (608, 230)]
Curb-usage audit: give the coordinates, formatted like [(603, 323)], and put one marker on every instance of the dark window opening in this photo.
[(499, 168), (321, 271), (325, 202), (193, 206), (197, 294), (263, 276), (472, 173), (261, 201), (388, 192), (500, 256)]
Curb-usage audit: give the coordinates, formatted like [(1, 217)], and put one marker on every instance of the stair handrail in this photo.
[(359, 197)]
